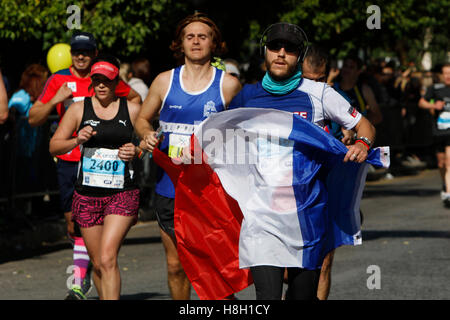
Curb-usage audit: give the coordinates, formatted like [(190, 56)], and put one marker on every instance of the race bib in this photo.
[(102, 168), (72, 86), (176, 144), (443, 121), (68, 102)]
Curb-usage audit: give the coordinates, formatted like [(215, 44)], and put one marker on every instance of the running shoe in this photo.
[(446, 199), (447, 202), (87, 283), (75, 294)]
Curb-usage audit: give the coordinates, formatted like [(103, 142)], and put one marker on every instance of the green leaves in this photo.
[(120, 26), (128, 27), (341, 24)]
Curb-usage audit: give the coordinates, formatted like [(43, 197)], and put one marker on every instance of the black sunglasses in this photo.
[(97, 79), (276, 45), (76, 53)]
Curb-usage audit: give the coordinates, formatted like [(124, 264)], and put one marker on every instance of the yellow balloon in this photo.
[(59, 57)]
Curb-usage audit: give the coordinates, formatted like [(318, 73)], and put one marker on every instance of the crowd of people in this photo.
[(111, 111)]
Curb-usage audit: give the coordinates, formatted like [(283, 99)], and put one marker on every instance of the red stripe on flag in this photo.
[(207, 228)]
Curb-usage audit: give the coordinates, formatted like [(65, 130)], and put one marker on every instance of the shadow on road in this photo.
[(144, 296), (397, 191), (140, 296), (20, 253), (143, 240), (376, 234)]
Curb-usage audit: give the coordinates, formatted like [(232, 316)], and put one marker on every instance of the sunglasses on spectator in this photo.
[(82, 52), (276, 45)]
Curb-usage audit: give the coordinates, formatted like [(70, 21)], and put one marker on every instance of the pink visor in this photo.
[(105, 68)]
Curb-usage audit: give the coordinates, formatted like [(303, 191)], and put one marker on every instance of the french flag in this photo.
[(265, 187)]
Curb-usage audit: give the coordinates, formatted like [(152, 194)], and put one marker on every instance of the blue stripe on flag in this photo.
[(334, 207)]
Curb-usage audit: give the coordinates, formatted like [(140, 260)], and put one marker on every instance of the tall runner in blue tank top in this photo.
[(183, 97), (180, 111)]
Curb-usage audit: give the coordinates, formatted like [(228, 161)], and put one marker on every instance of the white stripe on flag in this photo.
[(270, 231)]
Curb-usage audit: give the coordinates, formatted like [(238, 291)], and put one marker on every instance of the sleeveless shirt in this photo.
[(180, 112), (100, 171)]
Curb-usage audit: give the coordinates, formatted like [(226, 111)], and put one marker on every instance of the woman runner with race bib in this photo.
[(106, 198)]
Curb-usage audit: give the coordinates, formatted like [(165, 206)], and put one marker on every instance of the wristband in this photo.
[(365, 144)]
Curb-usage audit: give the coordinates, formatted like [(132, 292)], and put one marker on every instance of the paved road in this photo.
[(406, 242)]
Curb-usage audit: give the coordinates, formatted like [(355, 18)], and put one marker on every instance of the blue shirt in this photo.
[(28, 136), (314, 101), (21, 102)]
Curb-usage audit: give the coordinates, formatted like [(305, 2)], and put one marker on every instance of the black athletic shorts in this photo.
[(67, 175), (164, 208), (441, 142)]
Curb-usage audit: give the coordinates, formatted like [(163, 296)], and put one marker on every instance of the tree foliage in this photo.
[(120, 25), (135, 27), (341, 24)]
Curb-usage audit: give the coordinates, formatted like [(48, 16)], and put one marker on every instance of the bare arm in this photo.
[(334, 72), (40, 111), (231, 87), (133, 96), (364, 128), (358, 152), (150, 108), (63, 141), (4, 111), (424, 104)]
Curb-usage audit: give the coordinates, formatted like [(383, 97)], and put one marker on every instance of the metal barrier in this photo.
[(29, 187)]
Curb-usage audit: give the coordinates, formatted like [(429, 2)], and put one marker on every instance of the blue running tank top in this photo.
[(181, 111)]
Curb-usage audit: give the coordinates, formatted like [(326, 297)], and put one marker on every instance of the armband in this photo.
[(141, 154)]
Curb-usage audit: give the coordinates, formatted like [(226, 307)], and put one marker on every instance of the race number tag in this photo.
[(72, 86), (68, 102), (176, 144), (443, 121), (102, 168)]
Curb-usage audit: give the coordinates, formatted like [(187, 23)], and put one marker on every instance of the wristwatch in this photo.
[(365, 140)]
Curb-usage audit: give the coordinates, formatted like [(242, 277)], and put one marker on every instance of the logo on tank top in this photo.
[(208, 108), (124, 122), (92, 123)]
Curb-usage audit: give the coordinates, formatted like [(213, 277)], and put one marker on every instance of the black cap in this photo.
[(83, 41), (286, 31)]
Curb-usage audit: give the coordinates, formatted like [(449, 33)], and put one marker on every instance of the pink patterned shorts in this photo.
[(91, 211)]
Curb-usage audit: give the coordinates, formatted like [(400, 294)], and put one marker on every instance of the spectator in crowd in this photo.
[(4, 112), (358, 93), (125, 68), (31, 84), (232, 67), (437, 100), (137, 75)]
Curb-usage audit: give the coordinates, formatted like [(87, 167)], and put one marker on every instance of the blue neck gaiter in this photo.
[(284, 86)]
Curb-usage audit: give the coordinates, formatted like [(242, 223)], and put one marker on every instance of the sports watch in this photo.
[(365, 140)]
